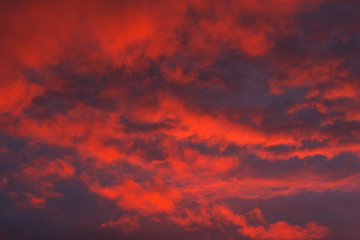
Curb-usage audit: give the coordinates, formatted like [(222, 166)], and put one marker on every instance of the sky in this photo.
[(180, 120)]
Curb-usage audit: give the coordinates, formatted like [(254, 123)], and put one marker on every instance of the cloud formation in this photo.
[(179, 119)]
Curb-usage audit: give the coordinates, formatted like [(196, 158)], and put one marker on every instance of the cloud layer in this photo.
[(179, 119)]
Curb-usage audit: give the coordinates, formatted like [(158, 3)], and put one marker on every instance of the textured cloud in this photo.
[(179, 119)]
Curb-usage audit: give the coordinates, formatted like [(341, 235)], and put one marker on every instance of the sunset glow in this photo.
[(180, 120)]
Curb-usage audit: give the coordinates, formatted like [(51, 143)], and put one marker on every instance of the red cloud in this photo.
[(131, 195), (284, 231), (169, 110), (126, 223)]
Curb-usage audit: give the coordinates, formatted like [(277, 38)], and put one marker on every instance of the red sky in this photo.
[(179, 119)]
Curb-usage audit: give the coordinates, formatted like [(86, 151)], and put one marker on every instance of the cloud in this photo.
[(159, 115), (126, 223)]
